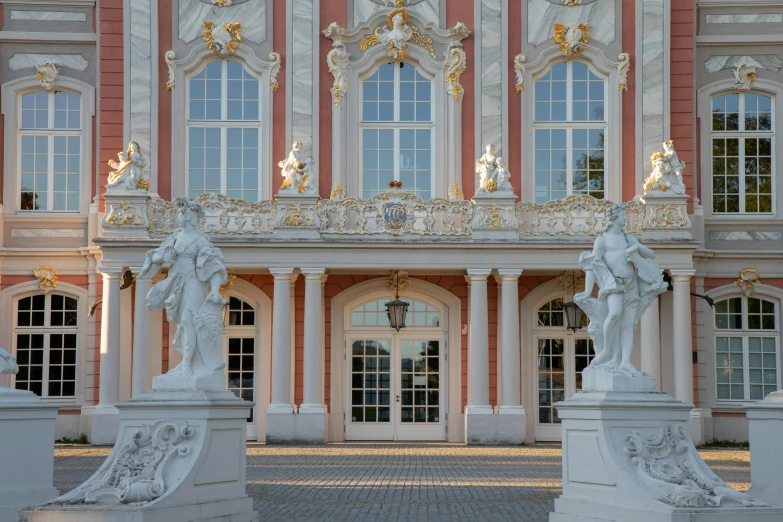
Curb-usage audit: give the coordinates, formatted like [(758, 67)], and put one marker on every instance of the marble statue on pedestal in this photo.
[(8, 363), (493, 176), (667, 171), (128, 172), (296, 171), (628, 280), (190, 293)]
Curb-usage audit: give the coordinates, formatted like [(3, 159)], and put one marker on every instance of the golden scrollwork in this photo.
[(396, 34), (666, 215), (455, 192), (274, 68), (748, 277), (124, 214), (47, 278), (436, 217), (338, 192), (495, 217), (455, 66), (222, 216), (571, 282), (571, 39), (224, 38), (398, 279), (229, 282), (580, 215), (296, 215)]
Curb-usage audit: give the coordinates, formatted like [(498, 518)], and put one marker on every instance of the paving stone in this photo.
[(399, 482)]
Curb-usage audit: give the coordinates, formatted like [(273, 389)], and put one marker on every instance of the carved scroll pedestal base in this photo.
[(26, 451), (666, 216), (494, 217), (627, 457), (179, 457), (126, 214), (765, 426), (297, 216)]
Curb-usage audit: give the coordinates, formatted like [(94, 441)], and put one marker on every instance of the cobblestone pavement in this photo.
[(396, 482)]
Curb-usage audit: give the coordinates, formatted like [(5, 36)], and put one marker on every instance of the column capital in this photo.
[(479, 274), (282, 274), (681, 276), (313, 273), (111, 272), (509, 275)]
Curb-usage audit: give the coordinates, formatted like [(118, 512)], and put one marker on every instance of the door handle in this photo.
[(398, 398)]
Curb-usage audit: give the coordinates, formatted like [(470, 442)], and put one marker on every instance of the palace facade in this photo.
[(338, 150)]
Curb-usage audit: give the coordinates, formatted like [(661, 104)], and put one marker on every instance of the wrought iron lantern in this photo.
[(574, 316), (397, 310)]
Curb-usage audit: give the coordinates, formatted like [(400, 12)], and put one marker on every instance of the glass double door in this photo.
[(560, 361), (396, 388)]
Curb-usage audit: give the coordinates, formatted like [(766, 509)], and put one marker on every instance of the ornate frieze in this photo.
[(222, 216), (573, 216), (748, 277), (571, 39), (47, 278)]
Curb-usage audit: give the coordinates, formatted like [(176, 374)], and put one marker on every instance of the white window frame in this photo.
[(704, 112), (396, 126), (569, 125), (741, 135), (180, 123), (744, 333), (245, 332), (11, 94), (601, 66)]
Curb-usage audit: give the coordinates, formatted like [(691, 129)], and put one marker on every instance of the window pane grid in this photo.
[(729, 367), (762, 367), (551, 313), (374, 313), (742, 164), (241, 368), (420, 382), (240, 313), (371, 381), (583, 356), (551, 379)]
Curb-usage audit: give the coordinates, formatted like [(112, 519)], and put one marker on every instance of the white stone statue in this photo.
[(628, 281), (129, 170), (296, 171), (396, 37), (493, 176), (667, 171), (8, 363), (190, 293)]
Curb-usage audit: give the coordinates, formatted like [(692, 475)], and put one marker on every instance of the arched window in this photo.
[(374, 314), (239, 332), (742, 145), (50, 150), (570, 128), (746, 347), (397, 130), (223, 120), (45, 337)]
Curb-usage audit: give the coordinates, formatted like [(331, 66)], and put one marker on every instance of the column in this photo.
[(510, 370), (681, 324), (478, 371), (142, 325), (650, 330), (109, 391), (281, 343), (313, 401)]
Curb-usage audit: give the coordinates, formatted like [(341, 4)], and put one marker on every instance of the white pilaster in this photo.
[(650, 330), (106, 419), (478, 371), (281, 342), (510, 371), (313, 401), (681, 325), (142, 325)]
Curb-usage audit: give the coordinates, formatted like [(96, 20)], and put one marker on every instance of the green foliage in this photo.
[(81, 439), (724, 443)]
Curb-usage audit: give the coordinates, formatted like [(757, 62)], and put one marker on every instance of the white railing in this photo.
[(222, 216), (573, 216)]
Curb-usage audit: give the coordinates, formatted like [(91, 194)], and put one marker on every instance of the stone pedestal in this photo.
[(627, 457), (126, 214), (765, 427), (482, 426), (179, 457), (297, 216), (494, 217), (104, 425), (666, 216), (26, 451), (306, 427)]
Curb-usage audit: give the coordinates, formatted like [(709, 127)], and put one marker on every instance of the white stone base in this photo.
[(616, 449), (765, 426), (26, 451), (105, 425), (700, 425), (190, 450), (602, 379), (305, 427), (483, 427), (215, 381)]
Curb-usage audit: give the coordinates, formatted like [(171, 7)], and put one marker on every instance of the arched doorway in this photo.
[(559, 356), (396, 383)]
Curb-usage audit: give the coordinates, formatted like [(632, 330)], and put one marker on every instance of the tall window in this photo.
[(742, 145), (50, 151), (570, 128), (223, 131), (241, 339), (746, 338), (397, 130), (46, 332)]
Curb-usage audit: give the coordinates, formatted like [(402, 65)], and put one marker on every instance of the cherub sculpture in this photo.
[(493, 176), (394, 36), (190, 294), (628, 280), (128, 172), (296, 170), (667, 171)]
